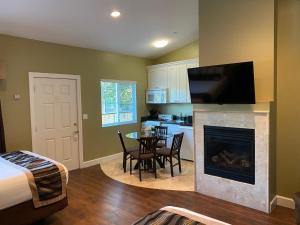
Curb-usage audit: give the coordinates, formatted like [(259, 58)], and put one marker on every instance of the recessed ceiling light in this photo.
[(115, 14), (160, 43)]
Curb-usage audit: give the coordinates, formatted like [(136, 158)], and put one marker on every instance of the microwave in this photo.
[(156, 96)]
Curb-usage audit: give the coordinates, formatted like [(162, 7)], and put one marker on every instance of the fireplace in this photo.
[(229, 153)]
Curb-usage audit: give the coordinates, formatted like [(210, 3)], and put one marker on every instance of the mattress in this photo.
[(14, 187)]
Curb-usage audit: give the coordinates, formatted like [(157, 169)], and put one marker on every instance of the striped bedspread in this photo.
[(47, 180), (162, 217), (171, 215)]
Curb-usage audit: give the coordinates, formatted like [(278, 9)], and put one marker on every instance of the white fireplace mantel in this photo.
[(254, 196)]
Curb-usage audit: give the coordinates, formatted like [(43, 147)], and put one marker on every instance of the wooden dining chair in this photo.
[(145, 154), (173, 152), (161, 131), (126, 151)]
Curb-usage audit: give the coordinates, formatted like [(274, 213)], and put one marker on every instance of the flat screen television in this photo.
[(222, 84)]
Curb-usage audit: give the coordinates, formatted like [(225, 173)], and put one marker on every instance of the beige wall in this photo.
[(22, 56), (234, 30), (288, 97)]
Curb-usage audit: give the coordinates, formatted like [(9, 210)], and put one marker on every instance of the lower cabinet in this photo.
[(172, 129), (187, 147)]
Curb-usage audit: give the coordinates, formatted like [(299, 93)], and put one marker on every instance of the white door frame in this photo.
[(32, 76)]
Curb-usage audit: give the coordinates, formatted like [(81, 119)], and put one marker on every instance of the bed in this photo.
[(171, 215), (17, 199)]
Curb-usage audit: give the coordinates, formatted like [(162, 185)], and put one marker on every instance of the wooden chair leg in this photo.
[(154, 167), (124, 162), (130, 165), (123, 159), (171, 166), (179, 163), (140, 172)]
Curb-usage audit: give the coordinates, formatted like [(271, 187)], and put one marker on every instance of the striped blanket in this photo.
[(163, 217), (47, 180), (171, 215)]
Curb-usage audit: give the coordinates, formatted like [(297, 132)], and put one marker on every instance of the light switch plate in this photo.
[(85, 116), (17, 96)]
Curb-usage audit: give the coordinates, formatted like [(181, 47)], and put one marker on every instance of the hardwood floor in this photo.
[(94, 198)]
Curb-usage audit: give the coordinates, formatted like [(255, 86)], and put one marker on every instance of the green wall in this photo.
[(22, 56), (288, 97), (188, 51)]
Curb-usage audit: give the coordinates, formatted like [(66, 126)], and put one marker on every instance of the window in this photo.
[(118, 102)]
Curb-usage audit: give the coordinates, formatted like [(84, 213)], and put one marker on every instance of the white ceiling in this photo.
[(87, 23)]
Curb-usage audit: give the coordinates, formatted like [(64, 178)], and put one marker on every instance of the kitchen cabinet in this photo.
[(173, 77), (157, 78), (172, 73), (172, 129), (177, 83), (191, 64), (187, 147)]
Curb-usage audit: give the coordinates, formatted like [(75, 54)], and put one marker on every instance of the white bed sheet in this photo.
[(14, 187)]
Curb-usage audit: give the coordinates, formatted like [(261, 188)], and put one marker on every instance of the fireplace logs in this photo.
[(229, 159)]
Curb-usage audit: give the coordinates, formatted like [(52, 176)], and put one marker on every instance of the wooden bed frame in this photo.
[(25, 213)]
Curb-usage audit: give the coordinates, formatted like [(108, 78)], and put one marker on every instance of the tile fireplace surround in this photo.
[(254, 196)]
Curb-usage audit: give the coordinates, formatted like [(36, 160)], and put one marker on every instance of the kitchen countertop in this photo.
[(183, 124)]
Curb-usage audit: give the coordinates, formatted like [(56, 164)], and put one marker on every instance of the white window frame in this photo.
[(134, 121)]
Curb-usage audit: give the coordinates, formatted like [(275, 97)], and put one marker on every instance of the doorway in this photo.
[(55, 108)]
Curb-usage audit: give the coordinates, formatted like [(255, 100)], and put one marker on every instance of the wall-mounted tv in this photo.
[(222, 84)]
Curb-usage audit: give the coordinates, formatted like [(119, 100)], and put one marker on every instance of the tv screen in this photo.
[(222, 84)]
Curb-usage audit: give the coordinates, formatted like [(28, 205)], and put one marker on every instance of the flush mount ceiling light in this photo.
[(115, 14), (160, 43)]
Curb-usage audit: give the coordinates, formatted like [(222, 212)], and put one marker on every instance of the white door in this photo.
[(56, 120)]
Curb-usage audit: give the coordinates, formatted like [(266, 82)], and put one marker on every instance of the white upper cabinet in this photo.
[(173, 84), (174, 77), (183, 90), (191, 64), (157, 78)]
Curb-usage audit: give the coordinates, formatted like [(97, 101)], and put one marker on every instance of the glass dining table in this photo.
[(149, 133), (138, 134)]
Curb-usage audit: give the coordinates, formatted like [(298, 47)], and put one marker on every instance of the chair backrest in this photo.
[(161, 130), (122, 141), (148, 145), (177, 141)]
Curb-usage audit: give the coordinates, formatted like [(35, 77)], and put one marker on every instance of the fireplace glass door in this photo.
[(230, 153)]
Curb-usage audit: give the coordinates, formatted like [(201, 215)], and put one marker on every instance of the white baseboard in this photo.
[(285, 202), (101, 160), (273, 203)]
